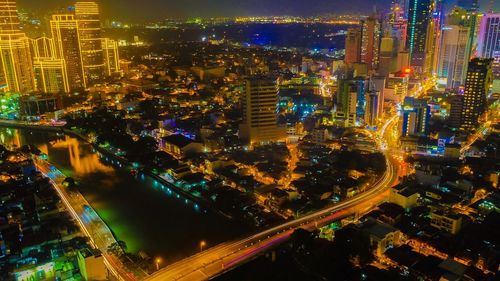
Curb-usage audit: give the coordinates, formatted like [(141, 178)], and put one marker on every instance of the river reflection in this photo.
[(139, 211), (82, 163)]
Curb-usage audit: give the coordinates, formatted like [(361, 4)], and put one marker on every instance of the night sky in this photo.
[(144, 10)]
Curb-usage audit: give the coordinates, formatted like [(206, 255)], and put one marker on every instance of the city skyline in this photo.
[(363, 146), (137, 11)]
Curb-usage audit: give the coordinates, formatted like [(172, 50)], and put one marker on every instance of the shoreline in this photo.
[(60, 129)]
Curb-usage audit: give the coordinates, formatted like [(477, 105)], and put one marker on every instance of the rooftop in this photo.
[(177, 140)]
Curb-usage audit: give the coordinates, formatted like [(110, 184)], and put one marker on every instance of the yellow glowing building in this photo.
[(258, 105), (64, 30), (89, 30), (14, 51), (111, 56), (50, 71)]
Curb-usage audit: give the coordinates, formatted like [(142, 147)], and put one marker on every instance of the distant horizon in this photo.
[(134, 11)]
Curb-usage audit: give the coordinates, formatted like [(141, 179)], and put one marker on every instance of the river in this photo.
[(136, 209)]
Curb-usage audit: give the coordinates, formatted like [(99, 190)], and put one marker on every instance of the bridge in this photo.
[(89, 222), (221, 258)]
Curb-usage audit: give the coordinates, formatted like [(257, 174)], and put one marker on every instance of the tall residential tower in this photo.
[(89, 32), (477, 85), (259, 106), (64, 30), (15, 53)]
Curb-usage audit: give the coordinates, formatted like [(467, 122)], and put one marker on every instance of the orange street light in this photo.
[(202, 244), (157, 262)]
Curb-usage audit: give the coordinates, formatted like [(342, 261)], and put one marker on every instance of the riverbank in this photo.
[(149, 219), (60, 129), (90, 223)]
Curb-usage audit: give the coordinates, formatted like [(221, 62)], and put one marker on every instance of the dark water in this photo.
[(297, 35), (136, 209)]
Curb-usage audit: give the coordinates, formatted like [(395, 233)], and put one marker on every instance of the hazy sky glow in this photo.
[(144, 10)]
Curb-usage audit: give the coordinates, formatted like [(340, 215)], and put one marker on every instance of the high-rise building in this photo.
[(372, 108), (259, 106), (397, 86), (400, 8), (387, 60), (416, 116), (347, 101), (489, 39), (111, 56), (454, 55), (351, 99), (477, 85), (353, 46), (468, 4), (64, 30), (456, 104), (370, 41), (377, 84), (14, 51), (434, 37), (403, 61), (489, 35), (400, 33), (466, 19), (50, 71), (89, 31), (9, 23), (420, 28)]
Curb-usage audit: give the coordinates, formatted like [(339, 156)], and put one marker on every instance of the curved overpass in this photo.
[(223, 257)]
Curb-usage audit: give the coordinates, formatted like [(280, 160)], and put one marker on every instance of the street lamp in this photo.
[(157, 262), (202, 244)]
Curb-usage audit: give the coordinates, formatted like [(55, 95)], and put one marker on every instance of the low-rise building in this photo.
[(180, 146), (382, 236), (404, 196), (446, 221)]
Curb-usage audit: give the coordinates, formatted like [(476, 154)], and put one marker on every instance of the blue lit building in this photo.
[(416, 116), (420, 16), (351, 99)]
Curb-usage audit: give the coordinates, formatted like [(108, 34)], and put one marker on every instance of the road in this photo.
[(88, 220), (218, 259)]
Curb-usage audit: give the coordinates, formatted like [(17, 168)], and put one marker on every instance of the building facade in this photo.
[(89, 32), (353, 46), (420, 28), (259, 106), (15, 53), (454, 55), (477, 85), (64, 30)]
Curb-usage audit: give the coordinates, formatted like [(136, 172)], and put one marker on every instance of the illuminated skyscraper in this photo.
[(372, 108), (111, 56), (416, 116), (477, 85), (64, 29), (489, 36), (400, 32), (14, 51), (9, 20), (353, 45), (50, 71), (387, 58), (370, 42), (419, 29), (89, 30), (454, 55), (259, 106), (466, 18), (350, 99), (400, 8)]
